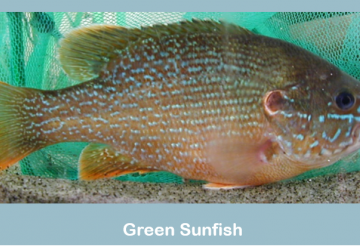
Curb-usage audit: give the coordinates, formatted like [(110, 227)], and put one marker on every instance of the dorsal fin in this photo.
[(84, 52)]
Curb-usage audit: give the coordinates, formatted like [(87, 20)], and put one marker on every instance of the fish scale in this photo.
[(201, 99), (194, 90)]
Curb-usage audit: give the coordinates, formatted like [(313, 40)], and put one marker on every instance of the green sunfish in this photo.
[(204, 100)]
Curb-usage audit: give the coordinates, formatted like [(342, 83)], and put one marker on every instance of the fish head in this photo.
[(316, 120)]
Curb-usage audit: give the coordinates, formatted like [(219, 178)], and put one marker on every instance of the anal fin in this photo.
[(145, 171), (101, 161), (139, 171), (218, 186)]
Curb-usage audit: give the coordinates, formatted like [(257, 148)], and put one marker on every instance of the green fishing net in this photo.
[(29, 43)]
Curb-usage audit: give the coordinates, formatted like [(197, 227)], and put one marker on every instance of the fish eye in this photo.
[(345, 100)]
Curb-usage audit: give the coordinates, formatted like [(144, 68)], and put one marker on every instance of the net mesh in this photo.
[(29, 43)]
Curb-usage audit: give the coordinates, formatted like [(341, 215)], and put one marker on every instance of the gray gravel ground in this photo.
[(16, 188)]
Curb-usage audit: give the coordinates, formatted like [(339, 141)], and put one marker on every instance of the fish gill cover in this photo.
[(29, 44)]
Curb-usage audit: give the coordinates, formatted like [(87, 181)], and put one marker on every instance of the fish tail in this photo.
[(17, 140)]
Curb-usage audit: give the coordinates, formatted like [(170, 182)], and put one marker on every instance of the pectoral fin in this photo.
[(242, 164)]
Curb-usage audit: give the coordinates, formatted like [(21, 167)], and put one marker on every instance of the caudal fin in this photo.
[(17, 140)]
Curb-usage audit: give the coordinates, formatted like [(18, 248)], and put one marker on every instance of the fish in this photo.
[(203, 99)]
